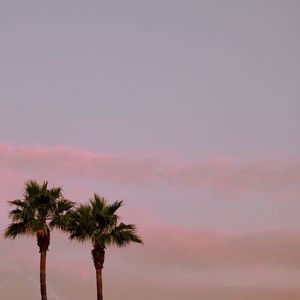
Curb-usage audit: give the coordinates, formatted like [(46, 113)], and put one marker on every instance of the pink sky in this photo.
[(210, 262), (186, 110), (223, 175)]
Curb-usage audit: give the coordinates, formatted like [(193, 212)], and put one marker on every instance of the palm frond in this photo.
[(55, 192), (15, 229), (32, 188), (62, 206), (81, 225), (17, 202), (125, 234), (112, 208), (98, 203)]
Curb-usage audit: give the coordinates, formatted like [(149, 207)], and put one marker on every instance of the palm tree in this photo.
[(98, 223), (36, 214)]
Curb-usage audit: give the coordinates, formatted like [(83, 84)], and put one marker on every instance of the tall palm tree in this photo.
[(40, 210), (98, 223)]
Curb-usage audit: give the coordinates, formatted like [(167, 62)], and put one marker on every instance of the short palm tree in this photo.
[(98, 223), (40, 210)]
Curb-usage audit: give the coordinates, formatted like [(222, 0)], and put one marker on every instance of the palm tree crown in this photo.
[(40, 210), (98, 223)]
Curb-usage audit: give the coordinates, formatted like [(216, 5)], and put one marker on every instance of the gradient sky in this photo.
[(187, 110)]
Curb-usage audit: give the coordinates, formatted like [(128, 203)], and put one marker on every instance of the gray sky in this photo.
[(194, 77)]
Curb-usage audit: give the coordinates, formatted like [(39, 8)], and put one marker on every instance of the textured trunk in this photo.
[(43, 255), (99, 284), (98, 254), (43, 241)]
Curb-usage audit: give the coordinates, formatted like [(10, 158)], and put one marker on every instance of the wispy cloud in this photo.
[(210, 250), (195, 262), (222, 175)]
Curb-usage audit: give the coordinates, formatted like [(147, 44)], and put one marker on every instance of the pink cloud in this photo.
[(183, 249), (221, 175), (172, 261), (214, 250)]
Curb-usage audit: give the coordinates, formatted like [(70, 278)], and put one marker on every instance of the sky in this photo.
[(186, 110)]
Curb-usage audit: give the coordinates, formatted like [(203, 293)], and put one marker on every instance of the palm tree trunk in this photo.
[(43, 242), (99, 284), (98, 254), (43, 274)]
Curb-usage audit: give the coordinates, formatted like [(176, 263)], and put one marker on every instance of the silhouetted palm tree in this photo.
[(36, 214), (97, 222)]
